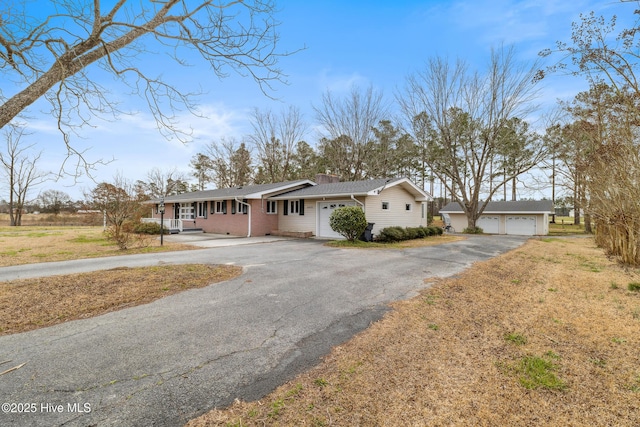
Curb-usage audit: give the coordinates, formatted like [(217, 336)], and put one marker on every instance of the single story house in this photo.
[(299, 207), (526, 217), (386, 203)]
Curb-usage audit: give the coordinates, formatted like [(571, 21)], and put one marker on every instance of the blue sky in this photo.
[(346, 43)]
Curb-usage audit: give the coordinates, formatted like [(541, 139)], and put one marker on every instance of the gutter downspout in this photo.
[(248, 212), (358, 202)]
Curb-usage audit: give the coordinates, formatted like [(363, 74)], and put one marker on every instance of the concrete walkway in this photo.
[(207, 240)]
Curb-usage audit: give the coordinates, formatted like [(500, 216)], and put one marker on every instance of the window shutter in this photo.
[(286, 207), (233, 207), (206, 204), (301, 207), (224, 207)]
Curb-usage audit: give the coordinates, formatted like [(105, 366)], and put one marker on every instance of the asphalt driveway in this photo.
[(164, 363)]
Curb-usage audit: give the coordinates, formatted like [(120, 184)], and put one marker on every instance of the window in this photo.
[(424, 208), (242, 207), (272, 207), (385, 206), (202, 209), (220, 207), (294, 206), (408, 207), (186, 211)]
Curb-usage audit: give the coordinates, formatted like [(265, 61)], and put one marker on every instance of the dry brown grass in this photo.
[(442, 358), (34, 303), (33, 244)]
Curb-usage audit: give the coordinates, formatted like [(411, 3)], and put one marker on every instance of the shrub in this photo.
[(473, 230), (411, 233), (435, 231), (122, 238), (391, 234), (349, 221), (397, 234), (148, 228)]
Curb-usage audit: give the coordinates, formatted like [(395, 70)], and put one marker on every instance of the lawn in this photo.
[(35, 303), (33, 244), (547, 334), (564, 226)]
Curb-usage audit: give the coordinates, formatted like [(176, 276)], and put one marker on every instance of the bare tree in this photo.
[(118, 200), (54, 201), (598, 53), (275, 138), (163, 182), (19, 166), (348, 129), (462, 117), (56, 56), (231, 163), (606, 124)]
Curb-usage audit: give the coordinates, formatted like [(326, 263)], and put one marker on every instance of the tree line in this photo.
[(467, 128)]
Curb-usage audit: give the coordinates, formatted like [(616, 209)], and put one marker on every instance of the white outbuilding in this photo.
[(525, 217)]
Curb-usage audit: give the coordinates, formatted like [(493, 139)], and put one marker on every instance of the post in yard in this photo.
[(161, 210)]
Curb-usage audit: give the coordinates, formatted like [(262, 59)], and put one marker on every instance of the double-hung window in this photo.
[(293, 207), (242, 207), (220, 207), (202, 209), (272, 207)]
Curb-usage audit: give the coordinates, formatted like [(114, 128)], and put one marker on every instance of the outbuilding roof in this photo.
[(508, 207)]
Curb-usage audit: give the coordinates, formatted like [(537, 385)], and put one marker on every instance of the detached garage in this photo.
[(525, 218)]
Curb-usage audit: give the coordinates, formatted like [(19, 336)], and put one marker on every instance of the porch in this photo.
[(175, 226)]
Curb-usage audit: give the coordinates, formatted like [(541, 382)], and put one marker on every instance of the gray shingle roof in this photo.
[(339, 188), (521, 206), (245, 192)]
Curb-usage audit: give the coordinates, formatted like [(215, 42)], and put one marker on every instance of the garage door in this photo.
[(325, 209), (489, 224), (523, 225)]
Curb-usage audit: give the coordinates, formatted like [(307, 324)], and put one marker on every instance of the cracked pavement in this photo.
[(166, 362)]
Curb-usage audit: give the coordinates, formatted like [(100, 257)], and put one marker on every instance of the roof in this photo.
[(509, 207), (354, 188), (245, 192)]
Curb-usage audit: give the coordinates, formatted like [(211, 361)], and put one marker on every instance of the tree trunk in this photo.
[(576, 204), (587, 223)]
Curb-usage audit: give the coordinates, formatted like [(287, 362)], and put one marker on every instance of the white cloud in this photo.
[(340, 83)]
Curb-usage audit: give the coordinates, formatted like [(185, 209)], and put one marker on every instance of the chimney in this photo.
[(326, 178)]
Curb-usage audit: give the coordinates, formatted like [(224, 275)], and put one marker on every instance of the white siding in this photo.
[(296, 222), (459, 222), (396, 215)]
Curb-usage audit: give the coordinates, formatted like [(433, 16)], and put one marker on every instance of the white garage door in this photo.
[(325, 209), (523, 225), (489, 224)]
